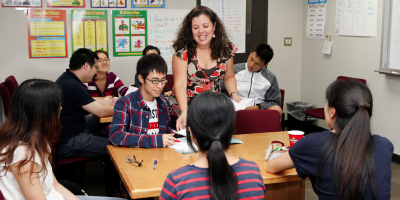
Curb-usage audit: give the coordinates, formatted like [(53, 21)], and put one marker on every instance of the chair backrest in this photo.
[(6, 98), (345, 78), (257, 121), (282, 98), (170, 83), (1, 196), (12, 84)]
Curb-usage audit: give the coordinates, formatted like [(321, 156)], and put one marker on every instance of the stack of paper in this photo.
[(243, 104)]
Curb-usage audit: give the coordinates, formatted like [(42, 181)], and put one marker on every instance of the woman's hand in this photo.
[(168, 139), (236, 97), (181, 121)]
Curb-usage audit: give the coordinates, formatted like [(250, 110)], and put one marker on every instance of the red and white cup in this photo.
[(295, 136)]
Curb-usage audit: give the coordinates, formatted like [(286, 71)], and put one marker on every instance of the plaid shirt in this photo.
[(131, 119)]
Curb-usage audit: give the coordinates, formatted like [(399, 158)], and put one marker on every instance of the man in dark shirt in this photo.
[(80, 138)]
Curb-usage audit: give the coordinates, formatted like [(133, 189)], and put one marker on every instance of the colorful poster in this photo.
[(108, 3), (129, 32), (22, 3), (47, 36), (316, 18), (147, 3), (89, 29), (66, 3)]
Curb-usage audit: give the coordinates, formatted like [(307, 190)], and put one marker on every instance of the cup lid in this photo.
[(296, 132)]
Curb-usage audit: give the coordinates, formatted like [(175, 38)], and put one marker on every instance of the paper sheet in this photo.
[(327, 47), (243, 104), (183, 147), (131, 89), (316, 19)]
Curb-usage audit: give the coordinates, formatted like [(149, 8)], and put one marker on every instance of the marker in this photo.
[(393, 72), (177, 141), (155, 163)]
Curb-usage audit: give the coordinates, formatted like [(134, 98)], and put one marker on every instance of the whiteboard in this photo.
[(162, 30), (390, 55), (356, 17), (394, 47), (232, 13)]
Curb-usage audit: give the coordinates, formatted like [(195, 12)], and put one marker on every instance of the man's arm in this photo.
[(120, 126), (272, 97), (98, 109)]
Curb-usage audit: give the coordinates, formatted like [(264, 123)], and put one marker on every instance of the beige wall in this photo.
[(355, 57), (14, 52), (285, 20)]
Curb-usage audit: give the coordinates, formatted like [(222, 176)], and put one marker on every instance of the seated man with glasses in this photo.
[(79, 138), (142, 118)]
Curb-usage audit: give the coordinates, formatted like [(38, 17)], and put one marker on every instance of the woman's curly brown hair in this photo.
[(220, 45)]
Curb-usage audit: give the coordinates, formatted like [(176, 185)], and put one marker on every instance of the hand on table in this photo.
[(168, 139)]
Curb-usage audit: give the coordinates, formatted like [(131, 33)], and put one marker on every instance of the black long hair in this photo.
[(352, 147), (211, 118), (220, 45), (33, 122)]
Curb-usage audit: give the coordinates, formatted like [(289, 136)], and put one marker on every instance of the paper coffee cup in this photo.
[(294, 136)]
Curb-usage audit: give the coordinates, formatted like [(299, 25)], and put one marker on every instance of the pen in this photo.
[(155, 163), (177, 141)]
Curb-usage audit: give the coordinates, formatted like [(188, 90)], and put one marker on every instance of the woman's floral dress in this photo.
[(199, 79)]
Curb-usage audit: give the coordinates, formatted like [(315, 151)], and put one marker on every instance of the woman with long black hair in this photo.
[(25, 138), (348, 162), (217, 174)]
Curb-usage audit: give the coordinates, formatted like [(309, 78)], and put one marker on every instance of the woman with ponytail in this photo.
[(217, 174), (348, 162)]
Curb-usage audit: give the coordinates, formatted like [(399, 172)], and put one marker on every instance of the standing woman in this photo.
[(105, 83), (203, 55), (348, 162)]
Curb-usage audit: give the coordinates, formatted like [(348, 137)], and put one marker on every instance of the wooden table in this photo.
[(144, 182)]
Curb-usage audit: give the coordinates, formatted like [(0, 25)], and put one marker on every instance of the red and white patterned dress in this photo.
[(199, 79)]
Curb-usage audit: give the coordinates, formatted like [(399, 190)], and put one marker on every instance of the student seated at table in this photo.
[(105, 83), (142, 118), (254, 80), (216, 174), (348, 162), (82, 136), (25, 139), (147, 51)]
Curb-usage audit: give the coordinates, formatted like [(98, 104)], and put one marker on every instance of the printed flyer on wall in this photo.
[(89, 29), (147, 3), (66, 3), (22, 3), (108, 3), (129, 32), (47, 36), (316, 19)]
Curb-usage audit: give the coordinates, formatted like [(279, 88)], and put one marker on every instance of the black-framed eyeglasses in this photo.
[(155, 82), (135, 162)]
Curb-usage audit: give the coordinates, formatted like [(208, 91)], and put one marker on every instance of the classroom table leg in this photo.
[(285, 191)]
